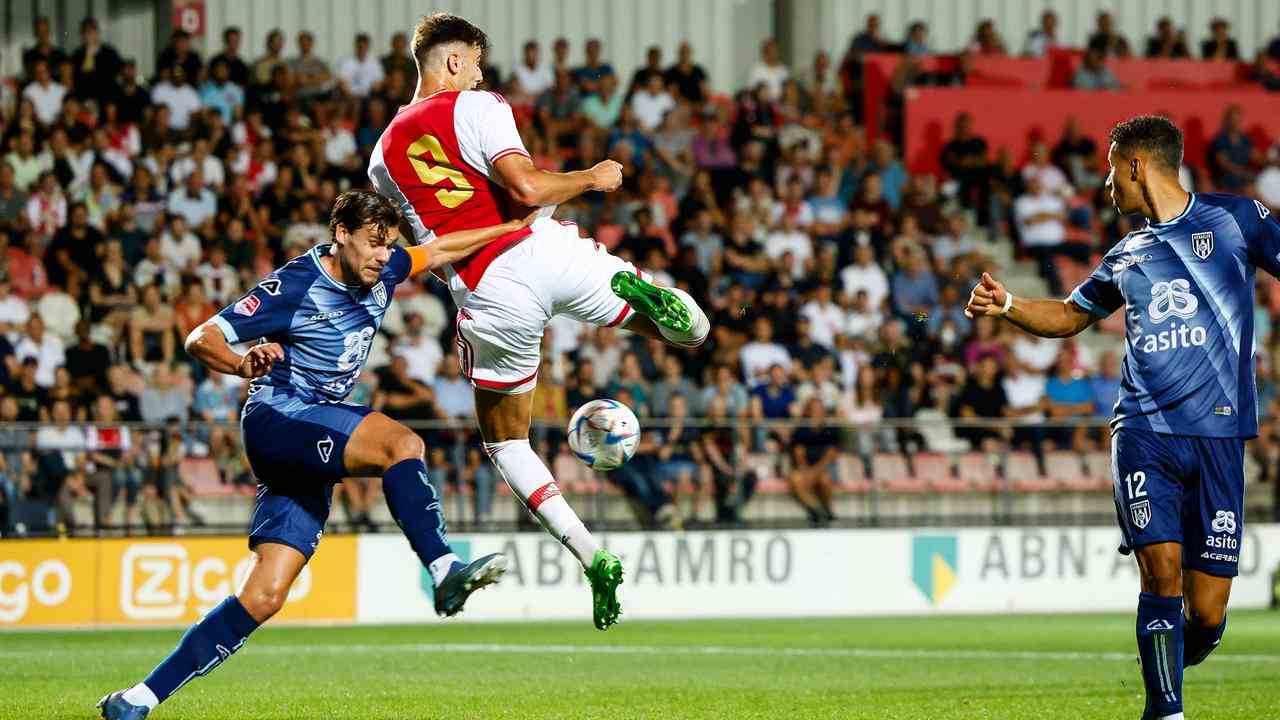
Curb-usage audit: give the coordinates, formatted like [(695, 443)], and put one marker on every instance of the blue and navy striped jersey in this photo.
[(325, 327), (1186, 286)]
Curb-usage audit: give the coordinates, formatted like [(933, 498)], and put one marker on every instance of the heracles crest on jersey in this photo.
[(1202, 244)]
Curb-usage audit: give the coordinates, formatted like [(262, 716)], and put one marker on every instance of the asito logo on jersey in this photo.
[(1202, 244)]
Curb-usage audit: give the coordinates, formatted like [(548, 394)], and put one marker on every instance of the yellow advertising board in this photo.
[(165, 581)]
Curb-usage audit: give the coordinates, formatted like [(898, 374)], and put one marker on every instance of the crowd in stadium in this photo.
[(132, 208)]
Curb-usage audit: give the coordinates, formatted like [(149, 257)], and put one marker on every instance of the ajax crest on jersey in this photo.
[(1140, 513), (1202, 244), (604, 434)]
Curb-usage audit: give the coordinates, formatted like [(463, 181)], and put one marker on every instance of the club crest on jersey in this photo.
[(325, 448), (380, 294), (1202, 244), (1140, 513), (248, 305)]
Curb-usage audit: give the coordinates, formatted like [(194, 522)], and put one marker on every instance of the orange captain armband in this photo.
[(419, 257)]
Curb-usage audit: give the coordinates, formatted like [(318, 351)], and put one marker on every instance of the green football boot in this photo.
[(605, 575), (658, 304)]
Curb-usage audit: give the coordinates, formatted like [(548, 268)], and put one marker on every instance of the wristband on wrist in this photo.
[(1008, 303)]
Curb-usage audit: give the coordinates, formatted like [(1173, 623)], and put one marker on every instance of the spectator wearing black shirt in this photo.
[(178, 54), (679, 454), (130, 98), (688, 77), (1231, 153), (74, 250), (399, 59), (587, 76), (1167, 42), (1220, 45), (30, 396), (1112, 43), (814, 447), (44, 49), (96, 64), (964, 157), (87, 361), (1077, 155), (1273, 48), (652, 66), (982, 397), (237, 69)]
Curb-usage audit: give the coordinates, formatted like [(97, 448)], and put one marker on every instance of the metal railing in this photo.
[(894, 472)]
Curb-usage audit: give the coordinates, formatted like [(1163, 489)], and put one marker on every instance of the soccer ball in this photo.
[(604, 434)]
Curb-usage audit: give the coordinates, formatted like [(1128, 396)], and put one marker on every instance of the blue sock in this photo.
[(1160, 646), (203, 647), (416, 509), (1201, 641)]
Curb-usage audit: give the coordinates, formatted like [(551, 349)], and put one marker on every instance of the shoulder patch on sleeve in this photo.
[(248, 305)]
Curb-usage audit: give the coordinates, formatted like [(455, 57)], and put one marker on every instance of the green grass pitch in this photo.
[(1006, 668)]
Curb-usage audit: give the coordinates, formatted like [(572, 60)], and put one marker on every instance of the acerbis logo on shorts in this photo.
[(1224, 521), (325, 448)]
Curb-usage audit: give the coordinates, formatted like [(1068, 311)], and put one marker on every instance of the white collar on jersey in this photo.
[(1185, 211)]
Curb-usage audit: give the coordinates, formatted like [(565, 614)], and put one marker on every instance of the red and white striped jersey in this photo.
[(435, 160)]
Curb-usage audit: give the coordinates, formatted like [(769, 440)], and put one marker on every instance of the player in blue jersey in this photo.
[(1187, 400), (316, 317)]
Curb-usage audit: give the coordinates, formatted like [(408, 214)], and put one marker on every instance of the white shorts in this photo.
[(551, 272)]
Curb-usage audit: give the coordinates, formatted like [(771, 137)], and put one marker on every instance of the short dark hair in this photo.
[(442, 28), (1157, 135), (356, 208)]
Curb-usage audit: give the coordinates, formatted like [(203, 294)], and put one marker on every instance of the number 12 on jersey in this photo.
[(438, 170)]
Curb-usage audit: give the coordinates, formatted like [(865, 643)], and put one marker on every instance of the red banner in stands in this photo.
[(931, 113), (1053, 71)]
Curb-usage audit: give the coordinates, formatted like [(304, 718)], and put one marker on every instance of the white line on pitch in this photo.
[(705, 650)]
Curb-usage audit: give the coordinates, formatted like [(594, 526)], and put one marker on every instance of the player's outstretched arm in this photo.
[(455, 246), (208, 345), (533, 187), (1044, 317)]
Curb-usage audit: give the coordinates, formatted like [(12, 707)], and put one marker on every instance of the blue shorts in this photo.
[(296, 450), (1183, 489)]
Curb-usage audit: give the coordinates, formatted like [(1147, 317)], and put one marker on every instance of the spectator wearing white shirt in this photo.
[(45, 347), (156, 269), (789, 241), (341, 154), (14, 312), (221, 281), (769, 71), (762, 353), (1041, 218), (419, 349), (651, 102), (360, 75), (210, 167), (532, 76), (862, 318), (1052, 179), (865, 275), (45, 93), (826, 319), (175, 92), (27, 164), (194, 202), (179, 246)]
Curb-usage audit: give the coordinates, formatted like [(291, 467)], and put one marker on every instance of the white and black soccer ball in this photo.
[(604, 434)]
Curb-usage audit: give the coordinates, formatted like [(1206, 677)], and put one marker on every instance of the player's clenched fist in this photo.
[(259, 360), (606, 176), (988, 298)]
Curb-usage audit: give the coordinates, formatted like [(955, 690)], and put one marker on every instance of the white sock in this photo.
[(531, 481), (440, 567), (697, 332), (1175, 716), (140, 694)]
